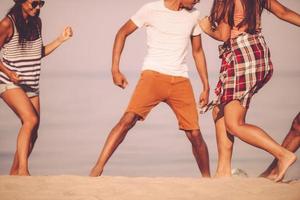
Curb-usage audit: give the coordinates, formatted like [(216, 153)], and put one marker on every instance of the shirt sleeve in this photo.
[(140, 18), (197, 29)]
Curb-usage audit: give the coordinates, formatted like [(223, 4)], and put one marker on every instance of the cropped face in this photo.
[(32, 7), (189, 4)]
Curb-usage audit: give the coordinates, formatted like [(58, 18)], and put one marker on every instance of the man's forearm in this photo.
[(202, 69), (117, 51)]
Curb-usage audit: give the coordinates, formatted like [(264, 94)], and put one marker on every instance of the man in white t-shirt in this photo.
[(170, 26)]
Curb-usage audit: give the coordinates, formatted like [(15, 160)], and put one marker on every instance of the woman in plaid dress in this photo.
[(246, 67)]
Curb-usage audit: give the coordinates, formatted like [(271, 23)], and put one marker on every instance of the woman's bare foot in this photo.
[(284, 164), (23, 173), (223, 173), (13, 172)]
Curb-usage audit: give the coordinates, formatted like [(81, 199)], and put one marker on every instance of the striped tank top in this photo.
[(24, 59)]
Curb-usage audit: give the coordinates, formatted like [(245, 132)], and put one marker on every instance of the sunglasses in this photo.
[(35, 4)]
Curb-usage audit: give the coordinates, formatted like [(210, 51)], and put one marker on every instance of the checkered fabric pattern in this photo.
[(246, 68)]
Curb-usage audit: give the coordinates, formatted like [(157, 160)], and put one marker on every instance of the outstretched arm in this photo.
[(284, 13), (200, 62), (64, 36), (118, 78), (6, 31), (221, 33)]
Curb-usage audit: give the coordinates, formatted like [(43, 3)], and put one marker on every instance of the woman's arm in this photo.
[(6, 31), (284, 13), (64, 36), (221, 33)]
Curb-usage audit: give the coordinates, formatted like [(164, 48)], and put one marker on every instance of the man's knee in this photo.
[(128, 120), (195, 137)]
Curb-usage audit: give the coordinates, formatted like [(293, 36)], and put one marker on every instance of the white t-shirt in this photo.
[(168, 37)]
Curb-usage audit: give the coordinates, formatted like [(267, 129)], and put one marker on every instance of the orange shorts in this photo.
[(154, 87)]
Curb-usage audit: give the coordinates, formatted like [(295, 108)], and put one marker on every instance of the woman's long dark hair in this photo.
[(29, 30), (224, 10)]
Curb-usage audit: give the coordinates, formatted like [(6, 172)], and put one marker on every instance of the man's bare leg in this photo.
[(200, 151), (114, 139)]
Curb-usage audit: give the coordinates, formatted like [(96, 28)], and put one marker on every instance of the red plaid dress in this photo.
[(246, 68)]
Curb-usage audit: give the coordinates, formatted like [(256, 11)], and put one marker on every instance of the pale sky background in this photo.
[(80, 104)]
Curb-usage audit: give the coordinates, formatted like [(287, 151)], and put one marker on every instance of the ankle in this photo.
[(223, 171), (23, 172), (96, 171)]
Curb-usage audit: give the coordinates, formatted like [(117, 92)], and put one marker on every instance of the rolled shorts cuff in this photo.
[(188, 128), (141, 116), (8, 86)]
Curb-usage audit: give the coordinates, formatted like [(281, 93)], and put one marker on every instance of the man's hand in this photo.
[(204, 97), (119, 80)]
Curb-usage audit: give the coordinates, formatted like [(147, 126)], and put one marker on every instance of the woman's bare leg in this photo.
[(234, 114), (15, 166), (114, 139), (18, 101), (224, 143)]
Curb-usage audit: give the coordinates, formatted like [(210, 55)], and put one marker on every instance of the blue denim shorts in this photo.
[(28, 90)]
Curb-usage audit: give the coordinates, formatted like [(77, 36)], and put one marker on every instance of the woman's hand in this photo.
[(205, 24), (66, 34), (14, 77)]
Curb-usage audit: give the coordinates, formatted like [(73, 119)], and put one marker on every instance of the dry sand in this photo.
[(139, 188)]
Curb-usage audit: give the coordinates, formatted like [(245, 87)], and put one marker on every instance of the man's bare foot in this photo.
[(96, 172), (284, 164)]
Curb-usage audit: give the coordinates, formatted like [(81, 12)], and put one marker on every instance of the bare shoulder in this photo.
[(5, 25), (6, 30)]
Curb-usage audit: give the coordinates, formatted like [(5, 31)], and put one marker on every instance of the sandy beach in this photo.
[(140, 188)]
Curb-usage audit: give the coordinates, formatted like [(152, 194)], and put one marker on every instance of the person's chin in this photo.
[(189, 7), (33, 13)]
